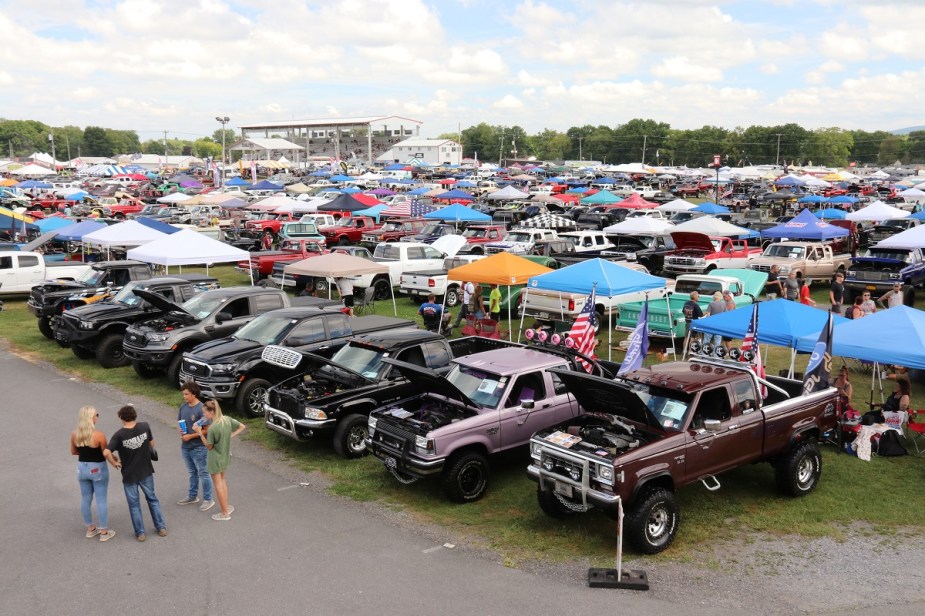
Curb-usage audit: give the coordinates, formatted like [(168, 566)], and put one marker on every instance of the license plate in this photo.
[(564, 489), (60, 336), (870, 287), (542, 315)]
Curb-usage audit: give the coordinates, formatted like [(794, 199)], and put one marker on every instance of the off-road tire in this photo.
[(909, 297), (343, 241), (45, 328), (465, 477), (82, 352), (145, 371), (652, 522), (350, 436), (109, 352), (798, 469), (251, 396), (551, 506)]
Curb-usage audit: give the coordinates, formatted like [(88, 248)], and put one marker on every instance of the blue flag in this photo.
[(819, 369), (639, 343)]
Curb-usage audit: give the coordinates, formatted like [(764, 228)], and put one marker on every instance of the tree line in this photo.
[(638, 140)]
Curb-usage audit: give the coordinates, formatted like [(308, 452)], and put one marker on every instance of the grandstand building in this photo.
[(364, 138)]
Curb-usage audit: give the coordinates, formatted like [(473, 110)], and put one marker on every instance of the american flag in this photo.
[(751, 334), (413, 209), (584, 331)]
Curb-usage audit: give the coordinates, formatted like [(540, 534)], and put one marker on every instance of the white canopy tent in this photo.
[(187, 247), (711, 225), (174, 198), (128, 233), (877, 211), (641, 224), (678, 205), (32, 169), (910, 238)]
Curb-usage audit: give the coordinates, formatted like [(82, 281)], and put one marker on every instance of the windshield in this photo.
[(517, 237), (900, 255), (391, 226), (475, 232), (483, 388), (783, 251), (265, 329), (126, 297), (92, 277), (668, 407), (360, 359), (203, 305), (344, 222), (705, 288), (431, 229)]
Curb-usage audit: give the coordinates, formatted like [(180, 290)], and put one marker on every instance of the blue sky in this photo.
[(172, 65)]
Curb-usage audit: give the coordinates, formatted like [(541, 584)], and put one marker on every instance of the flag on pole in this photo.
[(254, 171), (750, 343), (638, 344), (819, 368), (584, 331)]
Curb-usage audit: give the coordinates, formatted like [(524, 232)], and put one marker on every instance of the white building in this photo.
[(430, 151)]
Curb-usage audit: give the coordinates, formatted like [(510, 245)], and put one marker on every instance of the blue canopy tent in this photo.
[(77, 196), (781, 322), (918, 215), (789, 180), (418, 191), (157, 225), (342, 178), (266, 185), (708, 207), (605, 278), (372, 212), (455, 194), (842, 199), (458, 213), (812, 199), (237, 182), (831, 213), (76, 231), (33, 184), (805, 226), (53, 223)]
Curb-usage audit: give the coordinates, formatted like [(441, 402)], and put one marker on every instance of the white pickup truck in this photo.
[(544, 305), (520, 241), (420, 284), (20, 271), (401, 257)]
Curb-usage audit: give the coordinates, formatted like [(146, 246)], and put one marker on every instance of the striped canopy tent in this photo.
[(106, 170), (548, 221)]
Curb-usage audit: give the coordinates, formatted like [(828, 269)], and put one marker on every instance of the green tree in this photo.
[(891, 150), (697, 147), (638, 139), (96, 142), (829, 146), (480, 141), (153, 146), (23, 137), (915, 147), (205, 148), (578, 137), (866, 148), (123, 141), (230, 136)]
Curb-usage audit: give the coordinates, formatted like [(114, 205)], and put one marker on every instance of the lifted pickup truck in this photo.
[(96, 330), (49, 299), (260, 264), (348, 230), (232, 368), (881, 268), (697, 253), (479, 235), (813, 261), (487, 403), (334, 397), (157, 345), (643, 437), (268, 222)]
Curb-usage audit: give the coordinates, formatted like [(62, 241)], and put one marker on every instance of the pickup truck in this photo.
[(666, 316), (348, 230), (51, 298), (319, 220), (644, 436), (232, 369), (888, 228), (419, 284), (520, 241), (300, 231), (300, 282), (697, 253), (648, 250), (883, 267), (21, 270), (401, 257), (545, 305), (394, 231), (479, 235), (813, 261), (157, 345), (260, 264), (431, 232), (267, 222), (487, 403), (334, 397), (96, 330)]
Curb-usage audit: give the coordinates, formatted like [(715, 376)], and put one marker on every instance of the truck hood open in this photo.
[(686, 240), (611, 397), (430, 381), (449, 244), (752, 280), (161, 303)]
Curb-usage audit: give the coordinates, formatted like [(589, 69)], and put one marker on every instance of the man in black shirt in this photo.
[(132, 445), (837, 293), (692, 310)]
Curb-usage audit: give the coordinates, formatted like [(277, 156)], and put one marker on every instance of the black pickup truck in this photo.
[(337, 395), (232, 368), (51, 298), (96, 330), (157, 345)]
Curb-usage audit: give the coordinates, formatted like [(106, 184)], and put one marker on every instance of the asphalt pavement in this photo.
[(287, 549)]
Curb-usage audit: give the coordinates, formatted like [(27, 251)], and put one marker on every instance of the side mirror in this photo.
[(711, 425), (528, 405), (221, 317), (295, 341)]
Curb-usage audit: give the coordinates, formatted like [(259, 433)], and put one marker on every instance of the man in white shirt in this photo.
[(468, 290), (893, 297), (345, 288)]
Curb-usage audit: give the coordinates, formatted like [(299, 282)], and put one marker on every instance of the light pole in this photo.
[(54, 160), (224, 120)]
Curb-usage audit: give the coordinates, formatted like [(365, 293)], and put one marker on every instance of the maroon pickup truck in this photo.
[(261, 263), (642, 437), (348, 230), (479, 235), (394, 230), (267, 223)]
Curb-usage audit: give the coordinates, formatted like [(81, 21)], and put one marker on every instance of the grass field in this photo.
[(883, 494)]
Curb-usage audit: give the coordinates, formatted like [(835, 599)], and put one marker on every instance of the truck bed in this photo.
[(373, 323)]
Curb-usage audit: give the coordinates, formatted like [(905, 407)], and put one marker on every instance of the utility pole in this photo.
[(580, 153), (501, 148), (644, 138), (67, 141), (223, 120), (54, 159), (165, 147), (777, 158)]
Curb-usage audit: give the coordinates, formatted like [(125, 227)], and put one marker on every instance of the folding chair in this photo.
[(471, 328), (363, 304), (916, 430), (489, 328)]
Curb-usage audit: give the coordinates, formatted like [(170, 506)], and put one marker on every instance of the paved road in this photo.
[(288, 549)]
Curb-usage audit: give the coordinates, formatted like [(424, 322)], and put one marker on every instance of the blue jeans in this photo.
[(134, 504), (716, 340), (93, 478), (195, 460)]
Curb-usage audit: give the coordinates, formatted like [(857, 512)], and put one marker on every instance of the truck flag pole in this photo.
[(633, 579)]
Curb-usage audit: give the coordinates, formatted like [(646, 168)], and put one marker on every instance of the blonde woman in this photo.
[(89, 445), (218, 442)]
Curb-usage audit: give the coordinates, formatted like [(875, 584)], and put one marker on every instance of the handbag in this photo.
[(154, 454)]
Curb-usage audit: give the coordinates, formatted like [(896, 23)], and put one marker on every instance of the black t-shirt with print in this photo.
[(134, 448)]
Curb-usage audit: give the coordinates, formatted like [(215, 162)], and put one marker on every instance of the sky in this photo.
[(156, 65)]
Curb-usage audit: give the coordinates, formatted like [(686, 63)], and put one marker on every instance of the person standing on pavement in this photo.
[(89, 445), (219, 444), (837, 293), (132, 446), (192, 450)]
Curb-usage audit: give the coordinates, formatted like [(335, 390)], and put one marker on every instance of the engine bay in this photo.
[(598, 434), (425, 415)]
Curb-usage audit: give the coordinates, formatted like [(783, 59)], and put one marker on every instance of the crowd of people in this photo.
[(205, 447)]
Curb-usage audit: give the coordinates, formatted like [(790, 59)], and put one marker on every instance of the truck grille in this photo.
[(682, 261), (875, 276), (281, 356), (760, 268), (284, 402), (135, 340), (196, 368), (393, 435)]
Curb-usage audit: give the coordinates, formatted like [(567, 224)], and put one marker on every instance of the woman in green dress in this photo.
[(218, 441)]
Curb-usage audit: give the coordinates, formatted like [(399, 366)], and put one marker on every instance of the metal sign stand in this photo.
[(633, 579)]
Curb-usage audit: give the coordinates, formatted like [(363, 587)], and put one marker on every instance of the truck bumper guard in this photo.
[(282, 423)]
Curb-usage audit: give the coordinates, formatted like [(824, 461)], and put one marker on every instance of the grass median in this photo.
[(877, 494)]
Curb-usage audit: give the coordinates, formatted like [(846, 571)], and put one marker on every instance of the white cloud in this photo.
[(681, 68), (508, 102), (770, 69)]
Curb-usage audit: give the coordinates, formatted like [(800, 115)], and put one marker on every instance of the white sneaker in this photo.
[(206, 505)]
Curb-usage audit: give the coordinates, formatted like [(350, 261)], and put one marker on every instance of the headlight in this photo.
[(424, 445), (86, 324), (631, 256), (313, 413), (894, 276), (223, 368), (158, 337), (371, 426), (605, 473), (851, 274), (784, 269), (535, 449)]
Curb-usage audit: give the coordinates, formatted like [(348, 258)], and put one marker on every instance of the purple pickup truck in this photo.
[(488, 402)]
